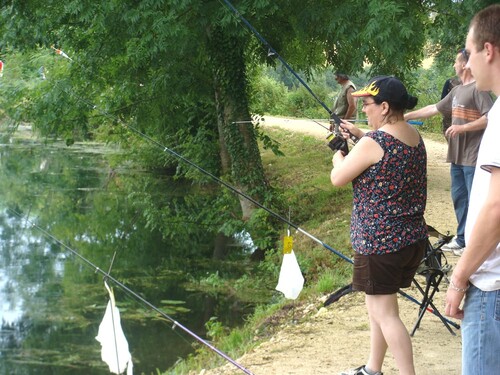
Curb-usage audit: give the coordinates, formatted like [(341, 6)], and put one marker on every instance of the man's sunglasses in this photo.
[(465, 54)]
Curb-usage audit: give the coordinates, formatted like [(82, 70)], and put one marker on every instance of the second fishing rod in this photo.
[(107, 276), (335, 139)]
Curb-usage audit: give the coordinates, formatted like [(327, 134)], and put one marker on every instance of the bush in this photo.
[(269, 96), (276, 92)]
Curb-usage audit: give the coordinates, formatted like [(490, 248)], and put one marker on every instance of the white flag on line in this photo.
[(114, 349), (290, 281)]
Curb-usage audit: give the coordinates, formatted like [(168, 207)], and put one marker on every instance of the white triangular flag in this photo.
[(291, 281), (114, 349)]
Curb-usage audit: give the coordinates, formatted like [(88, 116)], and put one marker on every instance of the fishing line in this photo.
[(272, 52), (126, 289), (246, 196)]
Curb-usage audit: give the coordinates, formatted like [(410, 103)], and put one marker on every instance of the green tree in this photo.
[(178, 70), (161, 68), (450, 22)]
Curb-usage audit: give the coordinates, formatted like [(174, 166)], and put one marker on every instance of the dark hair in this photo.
[(412, 102), (464, 55), (341, 75), (486, 29), (409, 102)]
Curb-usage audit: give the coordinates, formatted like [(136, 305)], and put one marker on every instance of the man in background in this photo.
[(468, 108), (448, 85), (477, 273), (344, 105)]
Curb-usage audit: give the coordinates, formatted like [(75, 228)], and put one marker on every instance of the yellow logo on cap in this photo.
[(372, 89)]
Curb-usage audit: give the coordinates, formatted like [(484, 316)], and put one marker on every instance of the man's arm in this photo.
[(351, 103), (424, 112), (472, 126), (484, 238)]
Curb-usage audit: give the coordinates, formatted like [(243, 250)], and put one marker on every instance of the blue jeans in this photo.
[(461, 185), (481, 333)]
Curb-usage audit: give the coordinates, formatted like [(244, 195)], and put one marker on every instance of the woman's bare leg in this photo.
[(387, 330)]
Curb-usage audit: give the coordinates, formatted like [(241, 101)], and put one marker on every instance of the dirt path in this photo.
[(329, 340)]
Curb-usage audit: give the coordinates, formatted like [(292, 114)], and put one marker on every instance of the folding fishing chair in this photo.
[(434, 267)]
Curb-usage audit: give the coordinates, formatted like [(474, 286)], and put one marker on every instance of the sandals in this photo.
[(359, 371)]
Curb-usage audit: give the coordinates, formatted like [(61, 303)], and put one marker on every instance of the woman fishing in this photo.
[(387, 168)]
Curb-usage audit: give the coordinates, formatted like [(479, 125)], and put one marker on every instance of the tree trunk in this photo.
[(239, 150), (220, 246)]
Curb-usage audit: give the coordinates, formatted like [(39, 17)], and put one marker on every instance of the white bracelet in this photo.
[(457, 289)]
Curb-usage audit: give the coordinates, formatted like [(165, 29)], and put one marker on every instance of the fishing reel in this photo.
[(335, 139), (337, 142)]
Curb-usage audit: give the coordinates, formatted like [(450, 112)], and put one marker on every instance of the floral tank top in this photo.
[(389, 198)]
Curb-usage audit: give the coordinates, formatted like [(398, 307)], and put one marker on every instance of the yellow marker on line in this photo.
[(287, 244)]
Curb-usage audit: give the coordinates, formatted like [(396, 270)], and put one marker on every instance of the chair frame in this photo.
[(434, 267)]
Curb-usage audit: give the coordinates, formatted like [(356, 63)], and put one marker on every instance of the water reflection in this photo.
[(51, 303), (10, 310)]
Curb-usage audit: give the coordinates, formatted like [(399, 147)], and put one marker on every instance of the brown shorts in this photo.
[(386, 274)]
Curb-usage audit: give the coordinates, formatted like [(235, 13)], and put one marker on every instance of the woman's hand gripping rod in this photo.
[(337, 141)]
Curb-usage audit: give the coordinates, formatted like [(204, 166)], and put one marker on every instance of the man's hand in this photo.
[(454, 130), (453, 301), (454, 296)]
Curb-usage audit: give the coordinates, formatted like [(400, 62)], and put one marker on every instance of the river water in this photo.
[(56, 201)]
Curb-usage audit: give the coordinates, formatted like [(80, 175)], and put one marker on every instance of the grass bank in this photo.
[(302, 177)]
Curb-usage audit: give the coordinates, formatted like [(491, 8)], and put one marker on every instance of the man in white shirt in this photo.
[(477, 273)]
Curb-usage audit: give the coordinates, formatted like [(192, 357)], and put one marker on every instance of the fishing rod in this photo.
[(364, 121), (246, 196), (335, 139), (272, 52), (126, 289), (234, 190)]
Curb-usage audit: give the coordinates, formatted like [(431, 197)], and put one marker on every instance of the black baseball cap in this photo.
[(385, 88)]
